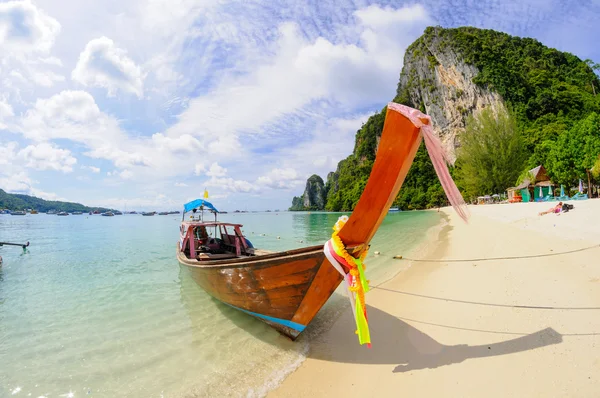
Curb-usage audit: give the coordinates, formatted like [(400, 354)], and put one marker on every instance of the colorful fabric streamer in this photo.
[(353, 271), (437, 154)]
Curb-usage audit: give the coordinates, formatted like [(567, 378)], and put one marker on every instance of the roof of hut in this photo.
[(540, 178)]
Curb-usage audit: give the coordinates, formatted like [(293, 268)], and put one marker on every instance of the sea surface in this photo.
[(99, 306)]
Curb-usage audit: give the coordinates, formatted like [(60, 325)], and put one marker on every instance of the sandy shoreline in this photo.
[(524, 327)]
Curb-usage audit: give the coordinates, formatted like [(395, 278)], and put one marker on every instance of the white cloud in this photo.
[(24, 28), (71, 115), (216, 171), (231, 185), (6, 113), (102, 64), (181, 184), (199, 168), (8, 151), (44, 78), (126, 174), (93, 169), (45, 156), (21, 183), (301, 72), (280, 179), (182, 144)]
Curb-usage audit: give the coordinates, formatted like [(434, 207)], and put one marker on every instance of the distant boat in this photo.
[(117, 213), (17, 213), (51, 212), (163, 213), (108, 214), (34, 212), (62, 213), (393, 209), (132, 212), (150, 213), (77, 213)]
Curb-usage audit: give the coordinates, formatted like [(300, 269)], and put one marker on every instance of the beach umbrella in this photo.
[(541, 194), (580, 186), (562, 190)]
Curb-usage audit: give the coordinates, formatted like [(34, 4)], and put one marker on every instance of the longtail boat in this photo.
[(286, 289)]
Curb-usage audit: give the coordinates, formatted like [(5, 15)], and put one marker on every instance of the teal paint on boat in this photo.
[(289, 324)]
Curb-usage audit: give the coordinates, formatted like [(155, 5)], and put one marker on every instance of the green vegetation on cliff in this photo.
[(553, 95), (314, 196), (491, 155), (23, 202)]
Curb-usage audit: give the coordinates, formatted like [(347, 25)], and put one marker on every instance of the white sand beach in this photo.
[(527, 327)]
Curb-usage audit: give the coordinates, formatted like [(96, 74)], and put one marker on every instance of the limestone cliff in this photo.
[(436, 79), (314, 196)]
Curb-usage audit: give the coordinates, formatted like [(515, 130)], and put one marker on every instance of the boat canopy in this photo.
[(197, 203)]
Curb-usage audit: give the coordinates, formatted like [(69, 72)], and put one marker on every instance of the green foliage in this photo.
[(534, 79), (24, 202), (492, 153), (421, 188), (596, 169), (575, 151), (297, 203)]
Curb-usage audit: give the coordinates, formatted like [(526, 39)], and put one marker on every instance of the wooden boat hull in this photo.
[(285, 289)]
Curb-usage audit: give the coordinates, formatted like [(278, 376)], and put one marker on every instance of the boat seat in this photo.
[(211, 256)]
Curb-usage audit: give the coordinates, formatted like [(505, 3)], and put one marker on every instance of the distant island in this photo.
[(16, 202)]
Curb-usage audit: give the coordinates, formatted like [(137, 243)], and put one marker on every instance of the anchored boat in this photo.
[(287, 289)]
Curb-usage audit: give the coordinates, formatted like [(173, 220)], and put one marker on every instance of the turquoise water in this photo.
[(99, 307)]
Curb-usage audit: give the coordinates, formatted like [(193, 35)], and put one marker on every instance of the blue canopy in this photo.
[(197, 203)]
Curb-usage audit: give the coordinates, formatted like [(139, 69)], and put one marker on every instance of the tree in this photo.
[(576, 151), (492, 153)]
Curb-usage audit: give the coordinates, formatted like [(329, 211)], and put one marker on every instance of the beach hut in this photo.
[(540, 179)]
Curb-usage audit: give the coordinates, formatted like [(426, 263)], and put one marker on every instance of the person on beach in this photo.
[(555, 209)]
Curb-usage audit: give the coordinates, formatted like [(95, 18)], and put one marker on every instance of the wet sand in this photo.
[(508, 327)]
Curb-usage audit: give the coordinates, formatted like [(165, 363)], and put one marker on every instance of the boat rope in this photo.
[(452, 260), (353, 271)]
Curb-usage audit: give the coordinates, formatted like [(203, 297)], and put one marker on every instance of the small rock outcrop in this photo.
[(314, 196)]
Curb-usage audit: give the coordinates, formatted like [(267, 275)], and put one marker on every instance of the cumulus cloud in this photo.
[(103, 64), (24, 28), (280, 179), (6, 113), (20, 182), (231, 185), (181, 184), (199, 168), (216, 170), (301, 72), (45, 156), (183, 144), (71, 115)]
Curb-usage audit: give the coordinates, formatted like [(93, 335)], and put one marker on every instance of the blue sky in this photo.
[(143, 104)]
